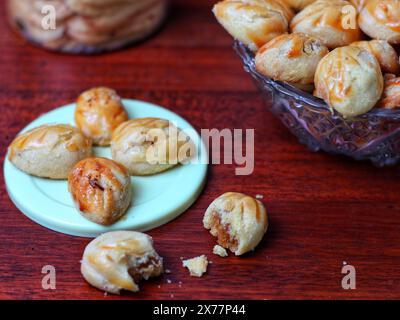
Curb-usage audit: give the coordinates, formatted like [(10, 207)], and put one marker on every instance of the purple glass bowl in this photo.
[(373, 136)]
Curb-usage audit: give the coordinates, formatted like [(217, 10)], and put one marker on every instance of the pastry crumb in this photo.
[(259, 196), (169, 281), (167, 271), (220, 251), (197, 266)]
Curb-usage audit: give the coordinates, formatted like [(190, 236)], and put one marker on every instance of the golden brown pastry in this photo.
[(299, 5), (385, 54), (238, 221), (324, 19), (292, 58), (118, 260), (99, 111), (380, 19), (254, 22), (150, 145), (49, 151), (101, 189), (391, 94), (350, 80)]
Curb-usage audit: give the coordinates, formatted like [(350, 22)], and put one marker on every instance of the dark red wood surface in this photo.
[(323, 209)]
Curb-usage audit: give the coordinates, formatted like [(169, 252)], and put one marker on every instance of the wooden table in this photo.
[(323, 209)]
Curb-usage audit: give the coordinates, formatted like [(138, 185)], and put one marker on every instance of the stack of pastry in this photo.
[(343, 51), (88, 26)]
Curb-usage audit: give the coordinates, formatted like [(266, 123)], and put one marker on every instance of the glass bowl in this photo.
[(373, 136)]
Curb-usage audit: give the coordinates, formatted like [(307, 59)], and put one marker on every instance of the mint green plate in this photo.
[(156, 199)]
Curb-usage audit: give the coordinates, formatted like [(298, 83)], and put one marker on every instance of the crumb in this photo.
[(159, 287), (169, 281), (259, 196), (220, 251), (106, 294), (171, 295), (180, 284), (167, 271), (181, 258), (197, 266)]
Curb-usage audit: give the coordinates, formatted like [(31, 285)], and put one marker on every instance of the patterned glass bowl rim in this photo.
[(316, 103)]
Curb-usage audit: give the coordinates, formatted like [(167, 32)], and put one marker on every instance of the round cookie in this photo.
[(118, 260), (385, 54), (99, 111), (148, 146), (49, 151), (238, 221), (324, 19), (350, 80), (292, 58), (101, 189), (380, 19), (254, 22)]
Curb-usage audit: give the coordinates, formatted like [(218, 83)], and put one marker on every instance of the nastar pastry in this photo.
[(118, 260), (325, 19), (391, 93), (49, 151), (292, 58), (385, 54), (254, 22), (238, 221), (101, 189), (99, 111), (350, 80), (380, 19), (147, 146)]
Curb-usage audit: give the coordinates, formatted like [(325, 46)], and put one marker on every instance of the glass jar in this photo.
[(86, 26)]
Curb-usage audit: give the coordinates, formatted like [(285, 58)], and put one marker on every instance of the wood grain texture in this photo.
[(323, 209)]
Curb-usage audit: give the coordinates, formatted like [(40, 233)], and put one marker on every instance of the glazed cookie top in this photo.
[(50, 136)]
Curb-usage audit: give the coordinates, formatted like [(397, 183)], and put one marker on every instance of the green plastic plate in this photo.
[(156, 199)]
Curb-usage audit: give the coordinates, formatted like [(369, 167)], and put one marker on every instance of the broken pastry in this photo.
[(254, 22), (101, 189), (238, 221), (220, 251), (49, 151), (99, 111), (118, 260), (350, 80), (197, 266), (324, 19), (292, 58)]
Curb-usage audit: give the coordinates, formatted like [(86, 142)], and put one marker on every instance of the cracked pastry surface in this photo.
[(324, 19), (350, 80), (99, 111), (391, 93), (101, 189), (88, 26), (118, 260), (385, 54), (292, 58), (380, 19), (147, 146), (254, 22), (49, 151), (238, 221)]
